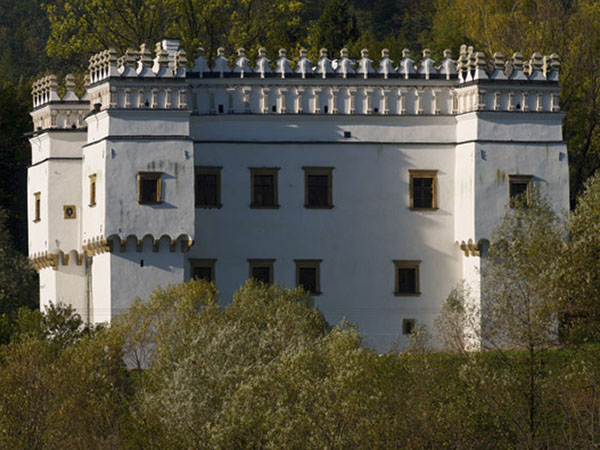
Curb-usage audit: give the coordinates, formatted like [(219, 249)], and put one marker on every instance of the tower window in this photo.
[(318, 187), (423, 190), (308, 275), (407, 278), (149, 188), (408, 326), (208, 187), (92, 190), (519, 188), (202, 269), (261, 270), (263, 187), (37, 207)]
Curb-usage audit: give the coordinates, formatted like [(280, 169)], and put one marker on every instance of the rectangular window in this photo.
[(318, 187), (149, 188), (408, 326), (308, 275), (37, 206), (519, 189), (423, 190), (92, 190), (263, 183), (407, 278), (261, 270), (208, 187), (202, 269)]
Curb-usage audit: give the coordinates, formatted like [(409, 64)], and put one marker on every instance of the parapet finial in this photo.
[(282, 53), (221, 52), (323, 53), (364, 53)]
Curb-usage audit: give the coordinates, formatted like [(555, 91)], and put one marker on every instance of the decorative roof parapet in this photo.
[(365, 65), (469, 66), (283, 64)]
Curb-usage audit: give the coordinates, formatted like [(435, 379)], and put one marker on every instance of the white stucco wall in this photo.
[(369, 226)]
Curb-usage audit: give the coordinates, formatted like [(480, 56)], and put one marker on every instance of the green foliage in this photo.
[(18, 280), (335, 29), (577, 282)]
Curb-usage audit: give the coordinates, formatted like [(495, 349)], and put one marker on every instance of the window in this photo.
[(149, 188), (202, 269), (69, 211), (423, 190), (318, 190), (37, 207), (264, 187), (208, 187), (308, 275), (261, 270), (408, 326), (92, 190), (519, 186), (407, 278)]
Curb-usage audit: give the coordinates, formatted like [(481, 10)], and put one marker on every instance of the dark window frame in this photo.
[(318, 171), (93, 190), (207, 170), (408, 326), (37, 207), (260, 263), (150, 176), (310, 264), (407, 265), (417, 174), (203, 263), (520, 179), (264, 171)]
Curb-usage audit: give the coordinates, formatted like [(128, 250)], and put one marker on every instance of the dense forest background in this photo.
[(58, 36)]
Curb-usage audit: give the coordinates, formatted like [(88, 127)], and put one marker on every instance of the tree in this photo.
[(82, 27), (335, 28), (577, 280), (518, 313), (18, 280)]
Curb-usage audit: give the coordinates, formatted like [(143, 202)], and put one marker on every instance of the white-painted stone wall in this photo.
[(472, 125)]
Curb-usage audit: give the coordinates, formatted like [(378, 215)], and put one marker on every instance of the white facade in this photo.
[(472, 125)]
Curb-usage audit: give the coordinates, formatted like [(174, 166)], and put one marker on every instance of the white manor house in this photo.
[(375, 185)]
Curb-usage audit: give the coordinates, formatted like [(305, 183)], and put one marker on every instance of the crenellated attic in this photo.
[(140, 79)]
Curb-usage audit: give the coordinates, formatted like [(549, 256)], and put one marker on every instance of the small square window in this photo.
[(407, 278), (92, 190), (408, 326), (519, 187), (149, 188), (318, 187), (208, 187), (202, 269), (263, 187), (423, 190), (261, 270), (69, 211), (308, 275), (37, 206)]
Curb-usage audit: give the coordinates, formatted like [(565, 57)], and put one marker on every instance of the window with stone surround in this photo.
[(308, 275), (261, 270), (318, 187), (92, 191), (407, 277), (202, 269), (37, 206), (208, 187), (423, 190), (263, 182), (149, 188), (519, 187)]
